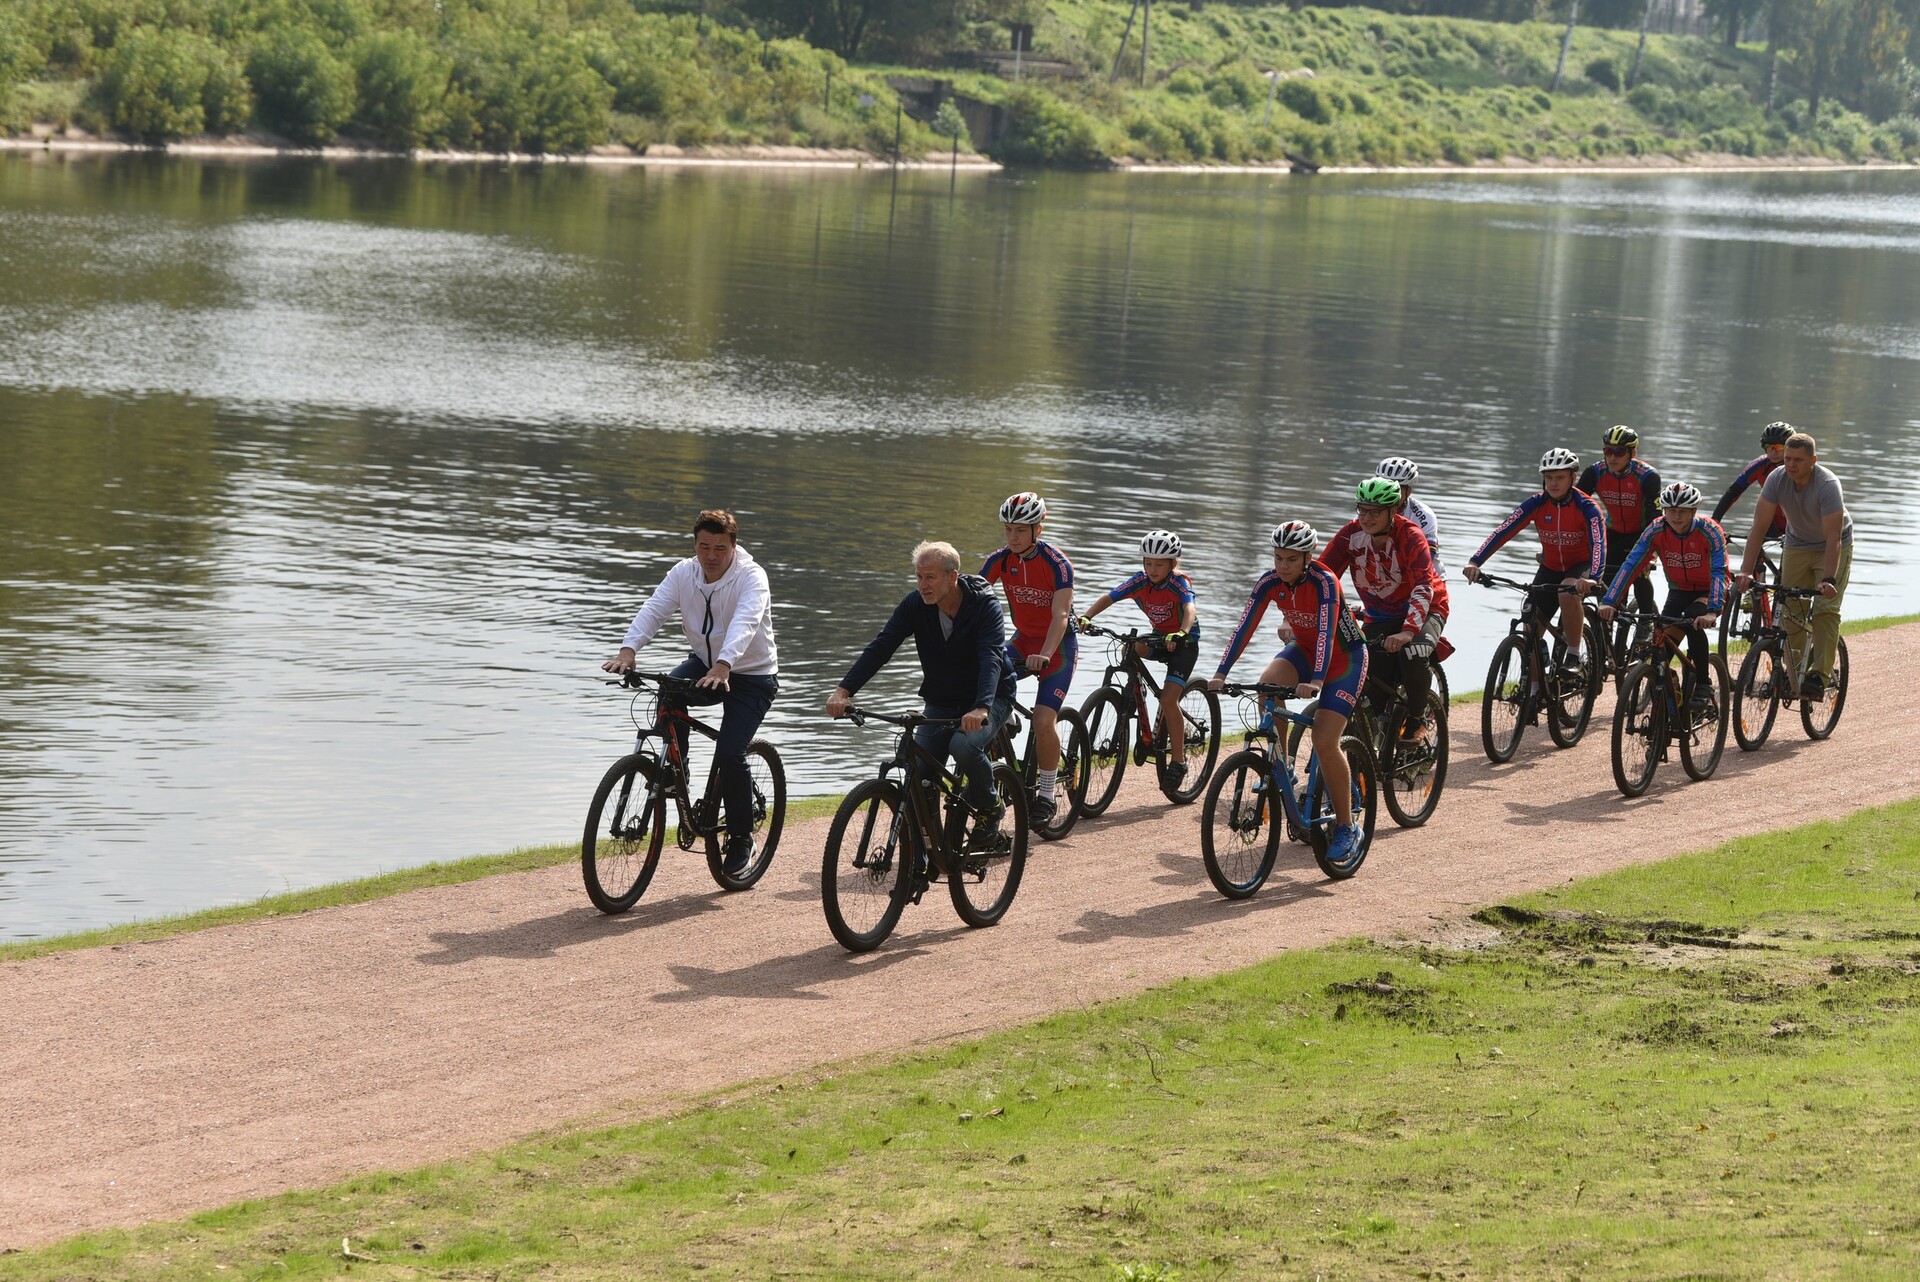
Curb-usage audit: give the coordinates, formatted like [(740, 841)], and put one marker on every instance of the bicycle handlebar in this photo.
[(1655, 620), (1255, 690), (1095, 630), (1796, 593), (1496, 581), (906, 721)]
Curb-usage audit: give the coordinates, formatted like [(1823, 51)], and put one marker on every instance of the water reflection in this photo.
[(322, 488)]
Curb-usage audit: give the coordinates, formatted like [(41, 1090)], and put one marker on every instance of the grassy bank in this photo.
[(1385, 89), (1696, 1068), (454, 872)]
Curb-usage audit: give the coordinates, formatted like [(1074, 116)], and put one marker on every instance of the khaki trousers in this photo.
[(1800, 568)]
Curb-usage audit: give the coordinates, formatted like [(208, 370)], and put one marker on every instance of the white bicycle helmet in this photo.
[(1559, 460), (1680, 494), (1295, 536), (1403, 470), (1024, 508), (1162, 543)]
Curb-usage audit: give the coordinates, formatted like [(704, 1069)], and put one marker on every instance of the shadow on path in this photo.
[(545, 936)]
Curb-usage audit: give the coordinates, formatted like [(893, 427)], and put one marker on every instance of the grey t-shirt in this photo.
[(1804, 508)]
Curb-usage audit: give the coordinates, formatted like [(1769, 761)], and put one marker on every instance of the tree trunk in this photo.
[(1146, 32), (1736, 15), (1773, 67), (1566, 43), (1646, 20)]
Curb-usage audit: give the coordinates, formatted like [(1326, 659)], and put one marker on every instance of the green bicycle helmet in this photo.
[(1378, 491)]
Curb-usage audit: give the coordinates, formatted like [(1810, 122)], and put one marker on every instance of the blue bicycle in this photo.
[(1255, 790)]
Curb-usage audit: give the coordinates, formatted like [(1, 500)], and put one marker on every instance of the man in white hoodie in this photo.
[(726, 611)]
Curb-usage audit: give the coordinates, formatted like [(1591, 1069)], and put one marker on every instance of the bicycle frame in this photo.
[(1139, 680), (919, 811), (692, 821), (1279, 767), (1535, 626), (1774, 629)]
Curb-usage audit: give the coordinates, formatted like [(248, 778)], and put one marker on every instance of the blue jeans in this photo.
[(968, 748), (743, 706)]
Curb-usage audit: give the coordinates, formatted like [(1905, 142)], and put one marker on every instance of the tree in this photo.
[(402, 82), (304, 91), (163, 85), (901, 28)]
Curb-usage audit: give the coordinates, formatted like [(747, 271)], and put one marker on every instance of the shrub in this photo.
[(303, 90), (1186, 82), (1305, 100), (1604, 72), (1043, 130), (162, 85), (1237, 84), (401, 85), (517, 92)]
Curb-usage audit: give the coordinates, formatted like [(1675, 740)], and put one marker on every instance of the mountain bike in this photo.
[(627, 819), (1522, 679), (1412, 774), (909, 826), (1129, 695), (1656, 707), (1070, 782), (1256, 792), (1749, 612), (1771, 672)]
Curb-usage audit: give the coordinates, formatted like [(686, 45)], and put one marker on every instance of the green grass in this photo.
[(345, 892), (1699, 1068)]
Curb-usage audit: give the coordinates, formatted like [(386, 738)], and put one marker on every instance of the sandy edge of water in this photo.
[(772, 157)]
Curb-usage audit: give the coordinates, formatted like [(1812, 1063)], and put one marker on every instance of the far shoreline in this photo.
[(768, 156)]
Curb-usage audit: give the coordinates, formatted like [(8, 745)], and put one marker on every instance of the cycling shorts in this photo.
[(1346, 675), (1180, 662), (1685, 605), (1054, 679)]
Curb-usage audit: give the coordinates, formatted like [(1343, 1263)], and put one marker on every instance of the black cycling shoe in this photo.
[(1041, 810), (1174, 775), (738, 857), (986, 833), (1813, 687)]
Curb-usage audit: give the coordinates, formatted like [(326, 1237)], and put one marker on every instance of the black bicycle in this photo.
[(892, 837), (1657, 707), (627, 819), (1129, 695), (1413, 772), (1771, 673), (1523, 679), (1071, 781), (1749, 613)]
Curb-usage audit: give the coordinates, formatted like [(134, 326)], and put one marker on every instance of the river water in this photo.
[(325, 486)]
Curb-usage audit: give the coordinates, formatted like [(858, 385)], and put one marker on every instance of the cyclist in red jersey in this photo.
[(1628, 491), (1773, 452), (1402, 594), (1038, 581), (1693, 555), (1327, 657), (1165, 596), (1573, 542)]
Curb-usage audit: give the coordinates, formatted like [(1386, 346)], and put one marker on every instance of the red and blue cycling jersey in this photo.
[(1752, 474), (1694, 562), (1325, 633), (1164, 603), (1030, 583), (1573, 533), (1395, 578), (1630, 499)]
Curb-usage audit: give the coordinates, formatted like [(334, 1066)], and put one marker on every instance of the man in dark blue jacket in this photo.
[(956, 626)]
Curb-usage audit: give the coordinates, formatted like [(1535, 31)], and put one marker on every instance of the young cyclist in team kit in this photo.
[(1573, 542), (1693, 555), (1405, 601), (1404, 472), (1327, 656), (1038, 581), (1773, 452), (1165, 596), (1628, 492)]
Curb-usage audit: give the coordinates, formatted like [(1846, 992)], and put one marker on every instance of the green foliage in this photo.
[(1045, 130), (948, 122), (401, 81), (1604, 72), (302, 89), (163, 85), (515, 92)]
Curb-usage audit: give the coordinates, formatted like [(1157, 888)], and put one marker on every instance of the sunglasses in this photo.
[(1371, 509), (1615, 451)]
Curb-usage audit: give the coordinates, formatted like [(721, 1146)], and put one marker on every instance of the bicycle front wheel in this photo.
[(1504, 700), (1200, 723), (1571, 707), (1703, 736), (1105, 719), (1364, 799), (767, 783), (1819, 718), (1412, 774), (1639, 729), (626, 824), (1240, 824), (1070, 783), (1756, 696), (867, 872), (988, 871)]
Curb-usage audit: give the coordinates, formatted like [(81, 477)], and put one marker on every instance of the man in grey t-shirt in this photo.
[(1816, 551)]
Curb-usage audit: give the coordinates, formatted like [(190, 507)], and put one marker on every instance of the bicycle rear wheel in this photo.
[(1756, 696), (1503, 700), (1240, 824), (987, 875), (1412, 774), (1104, 717), (1070, 784), (1704, 737), (626, 824), (866, 874), (767, 781), (1639, 730), (1571, 708), (1819, 718), (1364, 798), (1200, 718)]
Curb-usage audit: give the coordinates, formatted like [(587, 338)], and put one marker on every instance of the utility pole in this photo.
[(1122, 51)]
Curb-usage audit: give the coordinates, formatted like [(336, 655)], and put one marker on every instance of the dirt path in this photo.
[(151, 1080)]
